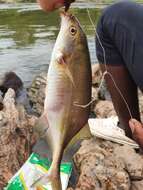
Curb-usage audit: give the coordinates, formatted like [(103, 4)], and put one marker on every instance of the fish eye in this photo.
[(73, 30)]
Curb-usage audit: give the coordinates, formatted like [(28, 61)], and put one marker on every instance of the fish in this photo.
[(68, 84)]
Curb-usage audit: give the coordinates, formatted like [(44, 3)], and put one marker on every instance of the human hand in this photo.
[(137, 131), (50, 5)]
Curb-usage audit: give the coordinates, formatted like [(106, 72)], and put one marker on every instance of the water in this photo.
[(27, 37)]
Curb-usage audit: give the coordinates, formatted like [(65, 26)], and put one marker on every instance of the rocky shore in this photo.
[(16, 137), (100, 164), (104, 165)]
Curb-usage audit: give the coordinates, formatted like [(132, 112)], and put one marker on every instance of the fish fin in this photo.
[(41, 126), (61, 61), (41, 180), (68, 73), (74, 144), (54, 180)]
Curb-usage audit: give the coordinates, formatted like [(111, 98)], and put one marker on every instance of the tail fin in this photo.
[(55, 179), (52, 176)]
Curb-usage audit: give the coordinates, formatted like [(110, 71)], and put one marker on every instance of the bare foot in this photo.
[(137, 131)]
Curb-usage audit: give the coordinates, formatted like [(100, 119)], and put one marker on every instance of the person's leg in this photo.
[(129, 90), (117, 37)]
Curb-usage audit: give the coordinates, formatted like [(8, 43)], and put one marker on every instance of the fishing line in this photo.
[(106, 72)]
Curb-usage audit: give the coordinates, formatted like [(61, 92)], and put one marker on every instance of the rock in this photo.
[(104, 165), (16, 139), (140, 95), (95, 93), (133, 162), (137, 185), (96, 75), (104, 93), (104, 109), (36, 93), (95, 98)]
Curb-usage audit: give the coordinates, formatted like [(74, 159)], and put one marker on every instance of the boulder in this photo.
[(96, 75), (104, 109), (36, 93), (16, 139), (104, 165)]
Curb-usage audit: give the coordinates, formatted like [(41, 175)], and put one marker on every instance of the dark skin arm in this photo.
[(50, 5)]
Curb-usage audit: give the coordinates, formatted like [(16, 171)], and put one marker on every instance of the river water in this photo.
[(27, 37)]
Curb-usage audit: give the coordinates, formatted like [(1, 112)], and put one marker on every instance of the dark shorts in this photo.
[(120, 29)]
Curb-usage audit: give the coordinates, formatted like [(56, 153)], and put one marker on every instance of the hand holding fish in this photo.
[(51, 5)]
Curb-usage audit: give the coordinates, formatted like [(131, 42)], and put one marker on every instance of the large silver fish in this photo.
[(68, 84)]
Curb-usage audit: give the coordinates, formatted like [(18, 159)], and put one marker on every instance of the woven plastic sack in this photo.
[(32, 170)]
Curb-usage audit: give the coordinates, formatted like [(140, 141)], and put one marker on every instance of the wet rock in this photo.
[(16, 139), (95, 98), (104, 93), (95, 93), (104, 165), (36, 93), (96, 75)]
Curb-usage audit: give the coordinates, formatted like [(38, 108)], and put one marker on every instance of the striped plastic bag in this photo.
[(34, 168)]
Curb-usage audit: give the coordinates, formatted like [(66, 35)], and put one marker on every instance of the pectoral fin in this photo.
[(62, 62), (68, 73)]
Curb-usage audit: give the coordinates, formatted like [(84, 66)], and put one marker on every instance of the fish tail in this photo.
[(55, 179), (52, 177), (55, 169)]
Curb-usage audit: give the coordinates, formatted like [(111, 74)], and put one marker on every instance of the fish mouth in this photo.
[(67, 15)]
